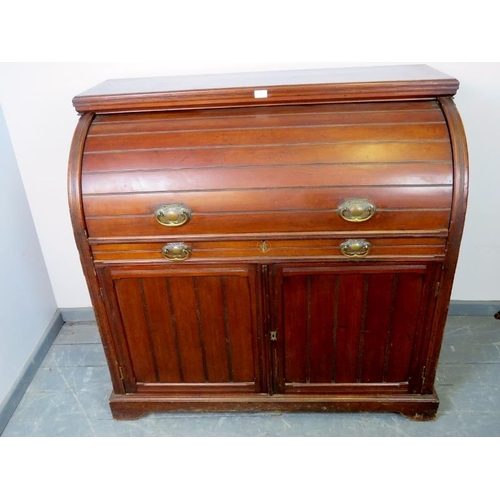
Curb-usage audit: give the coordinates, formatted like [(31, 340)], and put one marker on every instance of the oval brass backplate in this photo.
[(176, 251), (356, 210), (173, 215), (355, 248)]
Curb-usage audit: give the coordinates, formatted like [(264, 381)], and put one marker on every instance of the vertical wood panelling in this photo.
[(335, 325), (364, 307), (404, 328), (239, 325), (161, 329), (134, 322), (200, 328), (322, 307), (295, 328), (308, 332), (188, 334), (376, 327), (189, 329), (210, 299), (349, 325)]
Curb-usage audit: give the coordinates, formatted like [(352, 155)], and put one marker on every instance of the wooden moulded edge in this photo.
[(413, 406), (281, 88), (277, 96), (81, 240), (457, 221)]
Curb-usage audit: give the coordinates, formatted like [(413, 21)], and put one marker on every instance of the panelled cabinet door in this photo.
[(185, 329), (351, 328)]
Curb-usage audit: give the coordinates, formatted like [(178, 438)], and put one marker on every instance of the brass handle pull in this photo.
[(355, 248), (355, 210), (176, 251), (173, 215)]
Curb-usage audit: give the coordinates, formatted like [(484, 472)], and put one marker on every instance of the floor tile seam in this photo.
[(71, 366), (469, 345), (88, 322), (75, 417), (91, 342), (466, 343), (470, 385), (41, 372), (492, 413), (444, 363), (69, 421), (30, 392), (467, 383), (76, 343), (478, 338)]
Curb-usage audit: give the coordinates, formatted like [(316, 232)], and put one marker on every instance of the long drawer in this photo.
[(261, 250)]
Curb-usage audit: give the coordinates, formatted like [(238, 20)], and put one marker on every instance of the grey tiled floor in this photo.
[(68, 397)]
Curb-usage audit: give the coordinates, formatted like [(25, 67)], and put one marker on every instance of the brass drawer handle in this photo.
[(173, 215), (356, 210), (176, 251), (355, 248)]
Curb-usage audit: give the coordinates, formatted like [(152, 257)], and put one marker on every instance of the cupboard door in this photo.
[(350, 327), (189, 329)]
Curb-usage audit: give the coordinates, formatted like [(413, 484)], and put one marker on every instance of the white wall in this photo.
[(37, 103), (27, 303)]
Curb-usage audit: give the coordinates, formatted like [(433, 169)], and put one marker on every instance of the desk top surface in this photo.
[(266, 88)]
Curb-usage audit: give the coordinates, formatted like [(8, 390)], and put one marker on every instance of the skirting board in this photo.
[(77, 314), (473, 308), (8, 407), (457, 308)]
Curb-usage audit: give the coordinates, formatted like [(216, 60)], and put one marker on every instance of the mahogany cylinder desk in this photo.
[(281, 241)]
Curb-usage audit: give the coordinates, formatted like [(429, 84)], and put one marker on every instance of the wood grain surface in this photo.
[(249, 172)]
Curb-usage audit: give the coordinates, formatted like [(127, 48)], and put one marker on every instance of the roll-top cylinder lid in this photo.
[(267, 89)]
